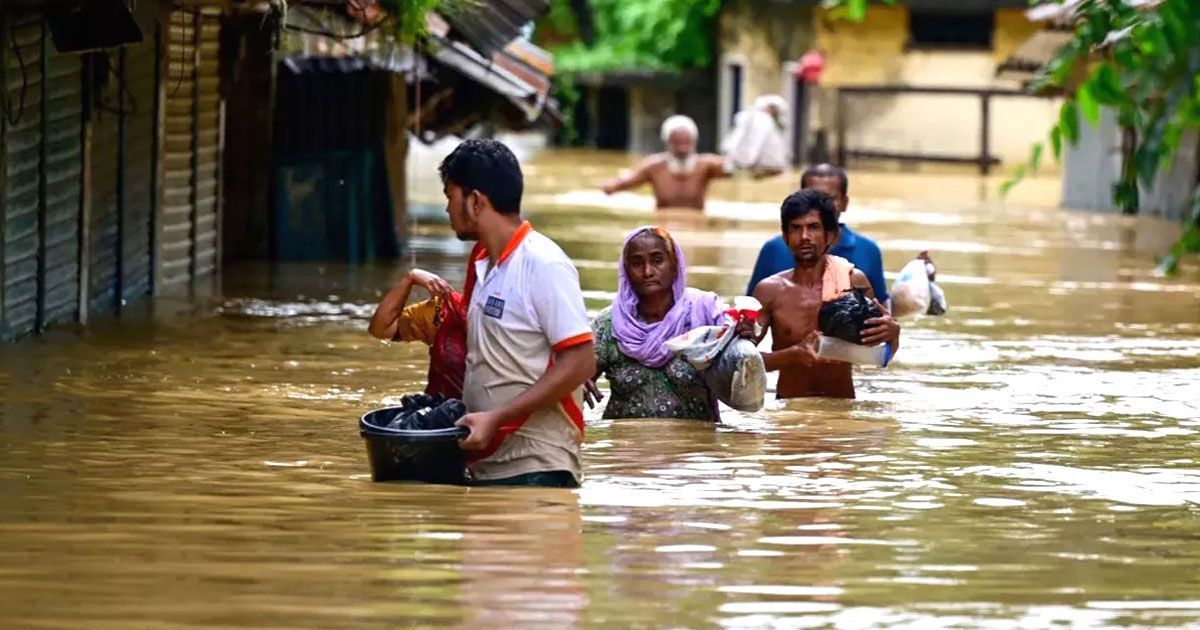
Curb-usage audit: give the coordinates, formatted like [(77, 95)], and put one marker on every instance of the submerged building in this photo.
[(143, 145)]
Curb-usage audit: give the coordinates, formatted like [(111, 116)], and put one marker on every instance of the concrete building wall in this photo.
[(760, 38), (648, 107), (876, 52), (1093, 166)]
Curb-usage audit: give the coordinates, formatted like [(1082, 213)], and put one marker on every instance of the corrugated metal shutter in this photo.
[(23, 139), (175, 216), (63, 185), (102, 223), (140, 70), (208, 137)]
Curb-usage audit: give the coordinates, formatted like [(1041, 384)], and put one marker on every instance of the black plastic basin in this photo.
[(409, 455)]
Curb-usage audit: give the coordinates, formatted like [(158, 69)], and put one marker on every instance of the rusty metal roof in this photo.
[(491, 24)]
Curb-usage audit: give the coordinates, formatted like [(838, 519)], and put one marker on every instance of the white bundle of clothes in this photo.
[(757, 141), (732, 368)]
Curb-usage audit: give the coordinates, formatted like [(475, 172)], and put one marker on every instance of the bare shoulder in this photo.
[(859, 280), (770, 287), (714, 164)]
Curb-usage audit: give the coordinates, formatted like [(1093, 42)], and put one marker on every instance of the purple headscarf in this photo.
[(646, 343)]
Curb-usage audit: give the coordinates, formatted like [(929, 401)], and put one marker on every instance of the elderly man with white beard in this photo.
[(679, 175)]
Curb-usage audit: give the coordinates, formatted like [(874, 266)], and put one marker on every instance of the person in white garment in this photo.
[(757, 142)]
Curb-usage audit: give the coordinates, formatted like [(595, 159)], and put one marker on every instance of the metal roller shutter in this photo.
[(140, 69), (208, 137), (63, 154), (102, 224), (178, 150), (23, 147)]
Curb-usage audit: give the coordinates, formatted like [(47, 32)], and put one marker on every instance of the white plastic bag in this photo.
[(738, 377), (937, 300), (700, 346), (910, 291), (835, 349), (732, 368), (915, 291)]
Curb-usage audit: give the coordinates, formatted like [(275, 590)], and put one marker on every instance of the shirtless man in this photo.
[(679, 176), (792, 299)]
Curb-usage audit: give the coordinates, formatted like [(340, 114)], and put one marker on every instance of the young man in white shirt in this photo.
[(529, 340)]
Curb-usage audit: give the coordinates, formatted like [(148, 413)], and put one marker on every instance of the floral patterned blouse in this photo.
[(675, 390)]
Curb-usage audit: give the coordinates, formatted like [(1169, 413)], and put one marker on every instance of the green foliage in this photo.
[(852, 10), (1188, 243), (664, 35), (568, 95), (1144, 63), (648, 34), (406, 18)]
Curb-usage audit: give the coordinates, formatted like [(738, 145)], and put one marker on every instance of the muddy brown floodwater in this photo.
[(1030, 459)]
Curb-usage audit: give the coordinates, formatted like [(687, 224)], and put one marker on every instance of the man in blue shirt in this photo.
[(861, 251)]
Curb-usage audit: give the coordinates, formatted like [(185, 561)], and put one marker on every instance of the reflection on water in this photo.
[(1029, 460)]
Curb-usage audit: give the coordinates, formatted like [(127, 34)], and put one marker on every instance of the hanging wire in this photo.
[(123, 87), (8, 112)]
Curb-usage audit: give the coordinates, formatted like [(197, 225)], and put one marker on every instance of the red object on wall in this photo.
[(811, 65)]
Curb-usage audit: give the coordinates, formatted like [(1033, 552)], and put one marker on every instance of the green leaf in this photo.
[(1056, 142), (1105, 86), (1035, 156), (1068, 121), (1017, 176), (856, 10), (1125, 196), (1188, 243), (1168, 265), (1064, 61), (1087, 104)]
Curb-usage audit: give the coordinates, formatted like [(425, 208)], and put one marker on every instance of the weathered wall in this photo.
[(1093, 166), (648, 107), (875, 52), (762, 37)]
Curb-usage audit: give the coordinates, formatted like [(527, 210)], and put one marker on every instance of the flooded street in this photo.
[(1032, 458)]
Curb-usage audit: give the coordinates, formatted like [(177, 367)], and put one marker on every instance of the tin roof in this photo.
[(489, 26), (1024, 63), (518, 72)]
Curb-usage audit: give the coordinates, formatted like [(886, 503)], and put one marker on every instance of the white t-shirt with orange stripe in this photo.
[(522, 311)]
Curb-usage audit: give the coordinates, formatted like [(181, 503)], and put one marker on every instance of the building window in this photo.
[(959, 31)]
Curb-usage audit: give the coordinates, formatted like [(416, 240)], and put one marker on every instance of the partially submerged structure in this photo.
[(142, 145)]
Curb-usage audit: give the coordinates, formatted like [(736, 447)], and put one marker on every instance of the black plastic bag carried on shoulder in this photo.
[(844, 318)]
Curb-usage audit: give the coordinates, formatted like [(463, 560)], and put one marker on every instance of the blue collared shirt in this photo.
[(860, 250)]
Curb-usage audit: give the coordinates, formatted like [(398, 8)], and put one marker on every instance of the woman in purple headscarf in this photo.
[(653, 305)]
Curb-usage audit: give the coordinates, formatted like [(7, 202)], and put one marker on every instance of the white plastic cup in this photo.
[(834, 349)]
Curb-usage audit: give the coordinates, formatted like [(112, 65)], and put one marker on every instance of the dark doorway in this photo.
[(800, 122), (612, 118), (735, 90)]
